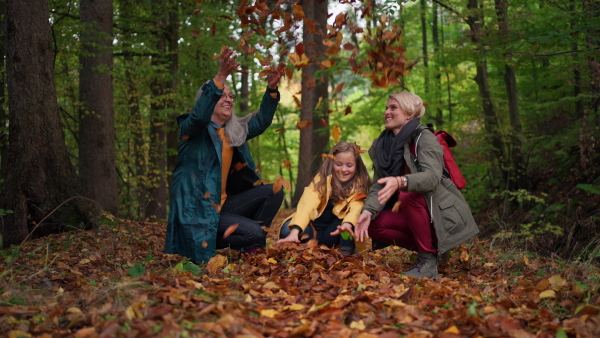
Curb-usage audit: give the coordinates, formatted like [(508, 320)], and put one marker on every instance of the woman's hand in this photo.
[(391, 186), (292, 237), (345, 227), (227, 65), (362, 226), (273, 79)]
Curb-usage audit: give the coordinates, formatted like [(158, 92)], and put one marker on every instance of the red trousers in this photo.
[(410, 228)]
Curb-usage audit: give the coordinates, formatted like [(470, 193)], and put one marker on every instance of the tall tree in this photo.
[(313, 139), (40, 176), (173, 103), (3, 115), (97, 163), (516, 174)]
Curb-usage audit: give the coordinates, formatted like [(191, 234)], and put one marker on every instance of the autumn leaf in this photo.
[(279, 130), (216, 263), (277, 185), (286, 164), (300, 48), (298, 12), (196, 11), (325, 156), (239, 166), (339, 87), (336, 132), (299, 60), (360, 196), (185, 137), (213, 29), (195, 32), (348, 110), (297, 101), (303, 124), (396, 207), (230, 229), (207, 194), (324, 123)]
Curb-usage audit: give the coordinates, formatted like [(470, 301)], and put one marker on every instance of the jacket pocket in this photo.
[(452, 220)]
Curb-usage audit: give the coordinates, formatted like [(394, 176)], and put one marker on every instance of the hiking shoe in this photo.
[(426, 266), (443, 258)]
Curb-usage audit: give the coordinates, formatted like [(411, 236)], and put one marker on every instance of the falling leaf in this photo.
[(277, 185), (216, 263), (196, 11), (279, 130), (195, 32), (326, 156), (303, 124), (324, 123), (230, 229), (319, 103), (299, 60), (360, 196), (336, 132), (348, 110), (204, 244), (339, 87), (300, 48), (185, 137), (396, 207), (298, 12), (213, 29), (297, 101), (239, 166), (216, 206), (207, 194), (199, 1), (287, 164)]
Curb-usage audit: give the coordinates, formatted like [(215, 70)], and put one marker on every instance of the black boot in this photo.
[(376, 245), (426, 266)]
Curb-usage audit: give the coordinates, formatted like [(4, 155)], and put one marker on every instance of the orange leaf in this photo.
[(300, 48), (277, 185), (288, 73), (325, 156), (310, 83), (312, 243), (336, 132), (287, 164), (195, 32), (348, 110), (396, 207), (279, 130), (303, 124), (196, 11), (339, 87), (216, 206), (204, 244), (298, 12), (360, 196), (239, 165), (207, 194), (324, 123), (230, 229), (297, 102), (185, 137)]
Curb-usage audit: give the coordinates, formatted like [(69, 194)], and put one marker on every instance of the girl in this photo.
[(332, 202)]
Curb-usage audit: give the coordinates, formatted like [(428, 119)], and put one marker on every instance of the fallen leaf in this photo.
[(216, 263)]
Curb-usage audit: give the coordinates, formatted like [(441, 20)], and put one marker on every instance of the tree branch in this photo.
[(450, 9)]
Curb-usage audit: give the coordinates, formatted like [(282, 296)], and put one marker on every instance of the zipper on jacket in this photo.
[(431, 208)]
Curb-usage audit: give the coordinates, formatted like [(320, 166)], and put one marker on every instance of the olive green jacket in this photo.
[(448, 209)]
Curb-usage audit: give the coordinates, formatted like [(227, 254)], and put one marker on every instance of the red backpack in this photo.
[(450, 167)]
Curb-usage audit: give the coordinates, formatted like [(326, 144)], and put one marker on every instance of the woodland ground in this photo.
[(116, 281)]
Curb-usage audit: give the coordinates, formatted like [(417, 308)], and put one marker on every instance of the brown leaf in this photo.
[(195, 32), (278, 184), (348, 110), (204, 244), (300, 48), (279, 130), (196, 11), (303, 124), (360, 196), (230, 229), (213, 29), (396, 207), (297, 101), (339, 87), (185, 137), (287, 164), (298, 12), (207, 194), (324, 123), (216, 263)]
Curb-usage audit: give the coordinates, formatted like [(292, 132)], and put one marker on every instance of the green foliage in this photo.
[(136, 270), (586, 187)]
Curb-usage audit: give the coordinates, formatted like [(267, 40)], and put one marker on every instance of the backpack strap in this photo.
[(445, 171)]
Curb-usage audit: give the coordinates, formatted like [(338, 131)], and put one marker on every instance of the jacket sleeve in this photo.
[(430, 157), (264, 117), (354, 209), (307, 209), (201, 115)]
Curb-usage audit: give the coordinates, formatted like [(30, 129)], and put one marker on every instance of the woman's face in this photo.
[(224, 107), (395, 118), (344, 166)]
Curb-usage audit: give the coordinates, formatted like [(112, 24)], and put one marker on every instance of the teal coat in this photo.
[(450, 214), (196, 188)]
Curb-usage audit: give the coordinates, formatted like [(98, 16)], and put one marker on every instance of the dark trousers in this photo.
[(324, 225), (250, 210)]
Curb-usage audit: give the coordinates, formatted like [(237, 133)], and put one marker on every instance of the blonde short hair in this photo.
[(411, 104)]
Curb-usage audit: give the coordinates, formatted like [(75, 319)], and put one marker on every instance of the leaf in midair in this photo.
[(298, 12), (213, 29), (207, 194), (286, 164), (324, 123), (196, 11), (339, 87), (230, 229), (336, 132), (279, 130), (303, 124), (300, 48), (348, 110), (298, 103), (396, 207), (195, 32), (277, 185)]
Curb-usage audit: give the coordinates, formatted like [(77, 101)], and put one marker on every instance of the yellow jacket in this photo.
[(311, 207)]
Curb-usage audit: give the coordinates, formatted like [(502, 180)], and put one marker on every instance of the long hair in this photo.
[(360, 183), (236, 128), (411, 104)]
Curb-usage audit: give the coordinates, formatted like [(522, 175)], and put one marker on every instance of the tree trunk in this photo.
[(40, 176), (3, 115), (492, 127), (157, 185), (173, 130), (313, 139), (517, 171), (439, 118), (424, 48), (97, 163)]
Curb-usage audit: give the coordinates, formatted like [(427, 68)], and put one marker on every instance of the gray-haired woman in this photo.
[(215, 185)]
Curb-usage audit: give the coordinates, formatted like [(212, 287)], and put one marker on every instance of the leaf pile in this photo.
[(115, 281)]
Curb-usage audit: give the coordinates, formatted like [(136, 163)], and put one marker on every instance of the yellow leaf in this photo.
[(526, 260), (548, 294), (295, 307), (299, 61), (18, 333), (336, 132), (268, 313), (557, 281), (135, 310), (73, 310), (272, 261), (84, 261), (360, 325), (216, 263), (452, 329)]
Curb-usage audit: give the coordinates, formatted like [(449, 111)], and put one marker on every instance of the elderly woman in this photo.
[(433, 216), (217, 198)]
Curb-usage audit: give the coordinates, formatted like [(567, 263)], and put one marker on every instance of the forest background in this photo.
[(91, 89)]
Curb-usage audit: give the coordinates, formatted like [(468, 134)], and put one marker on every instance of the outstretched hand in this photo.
[(391, 186), (345, 227), (227, 65), (274, 78), (292, 237), (362, 226)]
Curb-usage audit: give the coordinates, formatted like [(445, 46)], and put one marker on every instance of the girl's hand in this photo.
[(292, 237), (362, 226), (227, 65), (345, 227), (273, 79), (390, 188)]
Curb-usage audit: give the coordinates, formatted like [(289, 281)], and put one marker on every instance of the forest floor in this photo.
[(116, 281)]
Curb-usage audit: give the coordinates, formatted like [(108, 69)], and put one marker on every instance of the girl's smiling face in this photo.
[(344, 166)]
